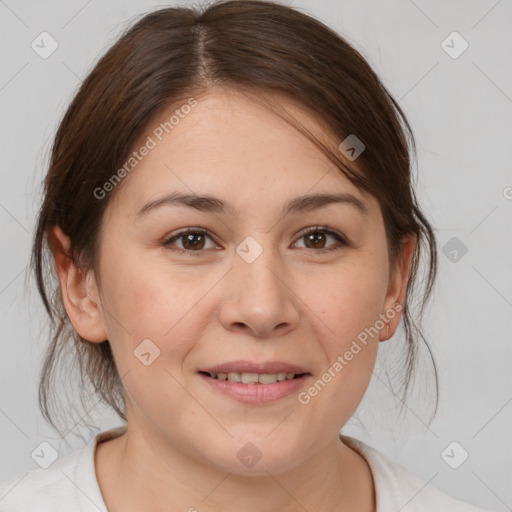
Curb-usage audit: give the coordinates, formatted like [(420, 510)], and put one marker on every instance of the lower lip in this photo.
[(256, 393)]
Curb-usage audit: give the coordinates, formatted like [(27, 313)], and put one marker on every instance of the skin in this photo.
[(294, 303)]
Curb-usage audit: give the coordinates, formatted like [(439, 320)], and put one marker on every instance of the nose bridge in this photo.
[(258, 267), (257, 296)]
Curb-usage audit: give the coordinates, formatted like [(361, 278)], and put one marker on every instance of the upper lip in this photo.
[(251, 367)]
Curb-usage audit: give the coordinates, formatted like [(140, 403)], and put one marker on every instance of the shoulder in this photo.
[(397, 488), (42, 489), (68, 484)]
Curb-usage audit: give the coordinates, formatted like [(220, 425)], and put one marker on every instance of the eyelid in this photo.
[(330, 231), (185, 231)]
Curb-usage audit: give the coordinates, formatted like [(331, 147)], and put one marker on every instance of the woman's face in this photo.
[(254, 290)]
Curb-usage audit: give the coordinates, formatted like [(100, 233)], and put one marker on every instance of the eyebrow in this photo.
[(207, 203)]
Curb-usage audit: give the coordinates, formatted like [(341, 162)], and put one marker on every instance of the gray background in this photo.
[(461, 113)]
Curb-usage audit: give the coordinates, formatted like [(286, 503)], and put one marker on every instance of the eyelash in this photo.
[(341, 240)]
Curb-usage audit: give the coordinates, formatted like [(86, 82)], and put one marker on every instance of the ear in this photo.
[(397, 287), (78, 288)]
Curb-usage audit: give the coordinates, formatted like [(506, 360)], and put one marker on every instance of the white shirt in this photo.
[(70, 484)]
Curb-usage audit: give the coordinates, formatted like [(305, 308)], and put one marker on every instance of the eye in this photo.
[(312, 237), (193, 240)]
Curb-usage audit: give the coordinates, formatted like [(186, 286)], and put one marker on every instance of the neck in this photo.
[(138, 472)]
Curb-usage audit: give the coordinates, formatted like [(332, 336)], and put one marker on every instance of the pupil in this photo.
[(190, 237), (314, 237)]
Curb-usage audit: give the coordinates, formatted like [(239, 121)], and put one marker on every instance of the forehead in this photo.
[(231, 145)]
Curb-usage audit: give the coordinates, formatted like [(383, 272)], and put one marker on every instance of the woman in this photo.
[(231, 218)]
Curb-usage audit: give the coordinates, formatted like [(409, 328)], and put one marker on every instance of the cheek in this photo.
[(146, 296), (344, 305), (153, 325), (346, 300), (154, 301), (343, 318)]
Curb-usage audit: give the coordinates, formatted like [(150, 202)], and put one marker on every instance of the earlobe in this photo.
[(78, 289), (397, 288)]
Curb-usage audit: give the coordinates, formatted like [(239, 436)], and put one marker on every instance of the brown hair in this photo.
[(172, 53)]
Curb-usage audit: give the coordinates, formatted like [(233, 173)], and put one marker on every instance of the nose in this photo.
[(259, 299)]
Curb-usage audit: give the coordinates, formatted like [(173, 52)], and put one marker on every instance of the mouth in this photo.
[(254, 378), (255, 383)]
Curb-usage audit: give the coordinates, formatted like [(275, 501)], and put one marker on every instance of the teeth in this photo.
[(234, 377), (270, 378), (253, 378)]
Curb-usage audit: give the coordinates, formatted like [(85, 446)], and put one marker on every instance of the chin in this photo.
[(254, 458)]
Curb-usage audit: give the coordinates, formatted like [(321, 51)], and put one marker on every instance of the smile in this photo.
[(255, 387), (254, 378)]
